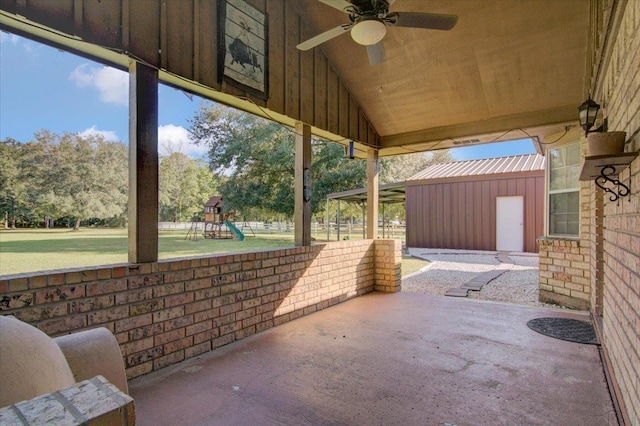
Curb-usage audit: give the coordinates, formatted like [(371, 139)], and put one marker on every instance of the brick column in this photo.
[(564, 272), (388, 259)]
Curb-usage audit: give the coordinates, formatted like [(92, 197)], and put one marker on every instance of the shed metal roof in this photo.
[(489, 166), (395, 192)]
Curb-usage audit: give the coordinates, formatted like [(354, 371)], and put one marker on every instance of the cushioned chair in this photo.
[(33, 364)]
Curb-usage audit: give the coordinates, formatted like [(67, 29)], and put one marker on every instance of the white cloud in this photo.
[(108, 135), (9, 38), (29, 47), (112, 84), (172, 138)]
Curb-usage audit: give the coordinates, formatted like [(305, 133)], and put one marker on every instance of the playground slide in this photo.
[(235, 231)]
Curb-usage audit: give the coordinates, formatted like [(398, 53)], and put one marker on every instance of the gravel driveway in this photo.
[(454, 268)]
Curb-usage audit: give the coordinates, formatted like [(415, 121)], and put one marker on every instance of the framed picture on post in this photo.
[(243, 56)]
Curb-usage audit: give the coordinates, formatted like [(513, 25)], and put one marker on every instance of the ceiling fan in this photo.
[(368, 24)]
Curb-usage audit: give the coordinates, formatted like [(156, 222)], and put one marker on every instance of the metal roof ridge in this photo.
[(484, 166)]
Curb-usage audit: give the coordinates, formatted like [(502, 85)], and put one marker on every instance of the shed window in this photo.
[(564, 190)]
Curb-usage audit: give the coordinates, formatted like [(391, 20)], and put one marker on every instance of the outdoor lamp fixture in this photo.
[(587, 113), (368, 32)]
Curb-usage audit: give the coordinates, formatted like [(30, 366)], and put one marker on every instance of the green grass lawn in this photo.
[(412, 264), (31, 250), (40, 250)]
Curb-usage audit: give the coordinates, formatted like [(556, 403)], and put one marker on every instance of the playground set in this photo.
[(217, 224)]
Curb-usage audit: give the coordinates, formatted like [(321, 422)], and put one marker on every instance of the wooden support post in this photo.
[(338, 221), (384, 221), (302, 205), (364, 221), (328, 224), (372, 193), (143, 163)]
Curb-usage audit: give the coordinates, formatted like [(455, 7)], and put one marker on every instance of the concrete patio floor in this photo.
[(388, 359)]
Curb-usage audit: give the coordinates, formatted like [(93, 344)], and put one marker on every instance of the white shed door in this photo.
[(510, 223)]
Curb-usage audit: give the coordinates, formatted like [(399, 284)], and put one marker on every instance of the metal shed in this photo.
[(492, 204)]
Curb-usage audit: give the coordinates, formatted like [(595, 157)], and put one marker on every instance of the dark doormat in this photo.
[(566, 329)]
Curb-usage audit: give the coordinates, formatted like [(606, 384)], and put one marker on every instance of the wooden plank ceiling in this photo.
[(509, 68), (506, 65)]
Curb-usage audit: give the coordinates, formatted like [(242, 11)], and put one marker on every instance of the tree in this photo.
[(401, 167), (91, 176), (12, 188), (112, 179), (185, 185), (255, 159), (33, 160), (67, 175)]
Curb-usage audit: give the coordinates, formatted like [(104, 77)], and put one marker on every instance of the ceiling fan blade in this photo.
[(325, 36), (376, 53), (337, 4), (432, 21)]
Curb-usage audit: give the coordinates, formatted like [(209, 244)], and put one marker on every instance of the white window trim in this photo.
[(561, 191), (548, 192)]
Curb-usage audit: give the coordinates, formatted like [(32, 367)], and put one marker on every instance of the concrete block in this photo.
[(90, 402), (457, 292)]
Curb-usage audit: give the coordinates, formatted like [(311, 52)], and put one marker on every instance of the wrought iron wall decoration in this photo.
[(604, 170), (607, 174), (243, 47)]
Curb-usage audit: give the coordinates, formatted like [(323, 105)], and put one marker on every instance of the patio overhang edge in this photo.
[(535, 125)]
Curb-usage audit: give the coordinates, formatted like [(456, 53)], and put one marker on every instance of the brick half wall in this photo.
[(167, 311), (564, 273)]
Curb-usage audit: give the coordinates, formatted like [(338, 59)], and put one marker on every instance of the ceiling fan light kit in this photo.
[(368, 32)]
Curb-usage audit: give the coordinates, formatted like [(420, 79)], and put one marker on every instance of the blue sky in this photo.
[(45, 88)]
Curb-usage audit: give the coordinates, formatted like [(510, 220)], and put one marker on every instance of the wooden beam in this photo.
[(143, 163), (496, 125), (302, 205), (372, 193)]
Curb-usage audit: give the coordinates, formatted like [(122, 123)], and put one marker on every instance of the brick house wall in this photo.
[(621, 297), (167, 311), (609, 242), (619, 94), (596, 251)]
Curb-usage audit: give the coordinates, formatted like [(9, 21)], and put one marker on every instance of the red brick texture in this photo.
[(165, 312)]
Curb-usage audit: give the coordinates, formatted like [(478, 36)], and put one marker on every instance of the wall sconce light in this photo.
[(587, 113), (606, 157)]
